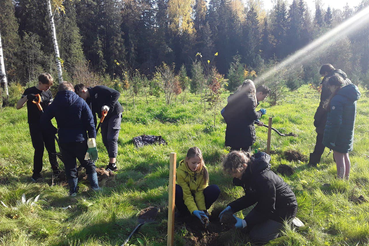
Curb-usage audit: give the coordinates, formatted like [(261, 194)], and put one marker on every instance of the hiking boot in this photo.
[(74, 193), (37, 178), (111, 167)]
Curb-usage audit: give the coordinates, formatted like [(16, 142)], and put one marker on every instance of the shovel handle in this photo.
[(37, 101), (103, 115), (133, 232)]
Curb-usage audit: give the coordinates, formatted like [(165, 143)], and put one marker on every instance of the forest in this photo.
[(128, 40)]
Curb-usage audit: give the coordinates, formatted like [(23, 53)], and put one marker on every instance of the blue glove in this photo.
[(263, 111), (240, 222), (227, 209), (200, 214)]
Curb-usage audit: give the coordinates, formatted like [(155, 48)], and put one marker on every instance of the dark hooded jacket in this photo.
[(73, 117), (240, 114), (320, 116), (275, 199), (339, 129), (103, 95)]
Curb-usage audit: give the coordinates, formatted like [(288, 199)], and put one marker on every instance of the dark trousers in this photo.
[(244, 149), (211, 194), (110, 133), (71, 152), (39, 141), (319, 147)]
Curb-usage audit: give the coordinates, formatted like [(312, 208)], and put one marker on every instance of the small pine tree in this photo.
[(198, 78), (235, 74)]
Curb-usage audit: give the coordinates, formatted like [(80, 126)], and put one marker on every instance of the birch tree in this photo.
[(55, 42), (3, 78)]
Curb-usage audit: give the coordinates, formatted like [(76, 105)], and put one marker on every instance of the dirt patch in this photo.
[(293, 155), (285, 170), (358, 199)]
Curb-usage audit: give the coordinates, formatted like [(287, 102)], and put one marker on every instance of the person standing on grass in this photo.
[(274, 199), (38, 137), (339, 128), (194, 195), (74, 119), (240, 115), (103, 99), (320, 117)]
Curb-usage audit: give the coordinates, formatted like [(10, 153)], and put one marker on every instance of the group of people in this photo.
[(335, 119), (274, 199), (75, 109)]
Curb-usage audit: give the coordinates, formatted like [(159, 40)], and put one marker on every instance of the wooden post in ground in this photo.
[(269, 135), (172, 196)]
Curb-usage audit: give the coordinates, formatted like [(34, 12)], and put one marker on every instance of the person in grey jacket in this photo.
[(339, 128)]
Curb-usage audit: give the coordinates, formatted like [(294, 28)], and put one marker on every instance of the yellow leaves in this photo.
[(253, 73), (245, 73), (58, 5), (216, 54), (180, 13), (198, 54), (208, 61)]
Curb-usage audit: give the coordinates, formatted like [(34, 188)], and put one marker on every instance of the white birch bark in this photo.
[(55, 41), (3, 78)]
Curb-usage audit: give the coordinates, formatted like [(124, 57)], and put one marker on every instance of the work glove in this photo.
[(200, 214), (227, 209), (105, 108), (92, 150), (263, 111), (31, 97), (240, 222)]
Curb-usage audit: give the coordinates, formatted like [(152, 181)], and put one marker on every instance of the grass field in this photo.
[(331, 209)]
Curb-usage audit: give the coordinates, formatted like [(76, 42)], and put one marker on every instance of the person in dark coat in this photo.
[(339, 128), (104, 99), (274, 199), (40, 140), (240, 115), (74, 119), (320, 117)]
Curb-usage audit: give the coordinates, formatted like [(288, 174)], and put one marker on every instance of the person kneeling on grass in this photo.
[(274, 199), (193, 194)]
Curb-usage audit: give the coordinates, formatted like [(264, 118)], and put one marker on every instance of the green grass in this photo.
[(107, 218)]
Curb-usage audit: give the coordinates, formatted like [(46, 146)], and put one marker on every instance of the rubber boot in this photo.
[(314, 160), (94, 182)]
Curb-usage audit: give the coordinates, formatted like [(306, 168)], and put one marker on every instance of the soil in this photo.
[(285, 170), (148, 214), (293, 155), (214, 234)]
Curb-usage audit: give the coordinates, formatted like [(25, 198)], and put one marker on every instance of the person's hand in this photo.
[(227, 209), (240, 222), (200, 214), (92, 150), (105, 108), (263, 111), (259, 123), (31, 97)]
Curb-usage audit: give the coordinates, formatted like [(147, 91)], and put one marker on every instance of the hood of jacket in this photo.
[(184, 167), (64, 99), (349, 92), (259, 163)]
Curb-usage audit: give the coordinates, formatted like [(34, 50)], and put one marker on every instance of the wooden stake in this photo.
[(172, 196), (269, 135)]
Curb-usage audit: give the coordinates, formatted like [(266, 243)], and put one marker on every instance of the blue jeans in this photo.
[(71, 152), (211, 194)]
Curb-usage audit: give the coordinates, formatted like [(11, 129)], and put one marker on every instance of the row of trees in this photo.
[(113, 37)]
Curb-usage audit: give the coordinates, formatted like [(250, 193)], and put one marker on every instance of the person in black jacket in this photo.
[(74, 119), (240, 115), (320, 117), (103, 99), (274, 199), (40, 140)]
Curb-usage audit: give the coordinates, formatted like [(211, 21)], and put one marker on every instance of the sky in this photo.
[(336, 4)]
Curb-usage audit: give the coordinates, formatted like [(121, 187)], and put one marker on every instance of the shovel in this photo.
[(147, 215)]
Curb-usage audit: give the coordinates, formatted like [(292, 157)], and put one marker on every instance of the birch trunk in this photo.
[(55, 41), (3, 78)]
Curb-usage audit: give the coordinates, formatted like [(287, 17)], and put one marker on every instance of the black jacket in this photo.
[(73, 117), (320, 117), (103, 95), (275, 199), (240, 114)]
